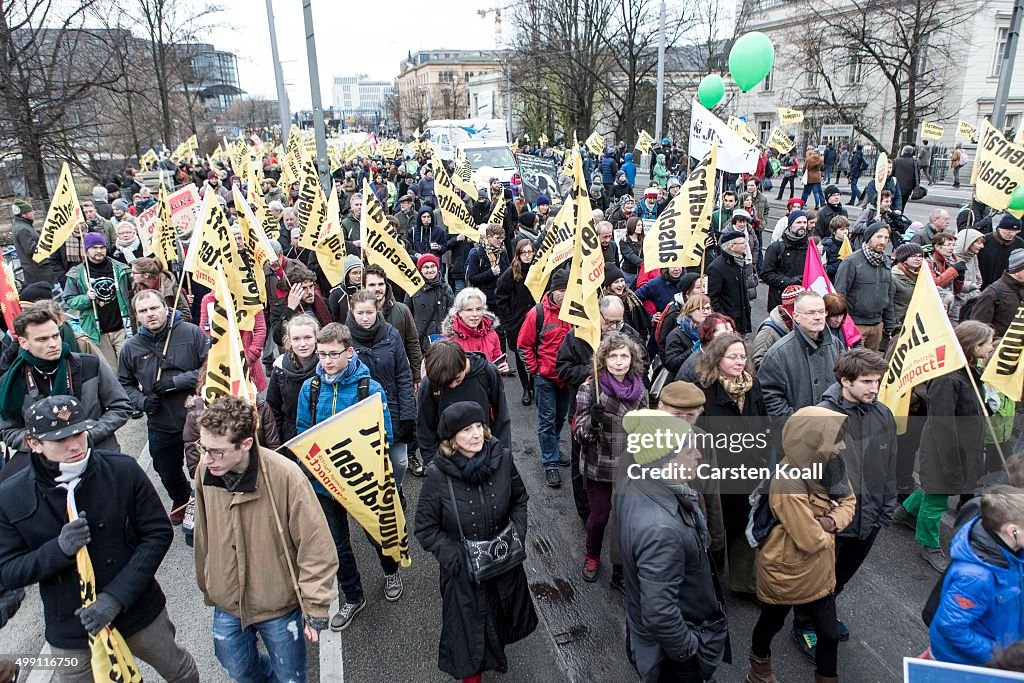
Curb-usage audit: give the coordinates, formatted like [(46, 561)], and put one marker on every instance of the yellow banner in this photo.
[(932, 131), (779, 141), (965, 130), (462, 175), (998, 169), (255, 239), (381, 248), (926, 348), (788, 117), (291, 169), (1005, 371), (457, 217), (348, 454), (677, 238), (164, 243), (542, 140), (311, 204), (556, 247), (586, 275), (644, 142), (744, 131), (846, 249), (63, 216), (498, 212), (225, 365), (330, 247), (148, 160), (595, 143)]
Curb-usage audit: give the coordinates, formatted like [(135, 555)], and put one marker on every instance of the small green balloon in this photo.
[(711, 90), (1017, 199), (750, 59)]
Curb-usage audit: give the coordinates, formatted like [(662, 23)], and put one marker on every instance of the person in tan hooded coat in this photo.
[(796, 562)]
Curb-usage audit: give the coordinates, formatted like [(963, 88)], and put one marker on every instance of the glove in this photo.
[(318, 623), (74, 535), (961, 268), (407, 431), (164, 385), (100, 613), (597, 416), (151, 404)]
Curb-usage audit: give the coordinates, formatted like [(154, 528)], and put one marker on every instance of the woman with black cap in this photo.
[(635, 315), (473, 492)]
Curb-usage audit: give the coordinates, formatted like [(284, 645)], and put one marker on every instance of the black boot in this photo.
[(527, 396)]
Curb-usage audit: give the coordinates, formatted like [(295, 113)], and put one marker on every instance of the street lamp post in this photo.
[(282, 92), (659, 118), (323, 165)]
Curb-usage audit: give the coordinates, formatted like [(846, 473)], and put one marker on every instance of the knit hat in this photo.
[(611, 273), (528, 219), (831, 190), (351, 263), (741, 213), (730, 236), (1008, 222), (543, 200), (457, 417), (559, 280), (686, 282), (212, 175), (682, 395), (789, 297), (795, 201), (875, 227), (653, 434), (906, 250), (37, 291), (20, 207), (1016, 263), (793, 215), (425, 259), (673, 181), (651, 192), (95, 239), (120, 205)]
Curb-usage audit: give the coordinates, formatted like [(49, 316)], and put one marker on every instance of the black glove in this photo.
[(100, 613), (961, 268), (74, 535), (407, 431), (597, 417), (164, 385), (151, 405), (318, 623)]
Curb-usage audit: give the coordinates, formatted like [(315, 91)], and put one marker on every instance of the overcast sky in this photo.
[(351, 38)]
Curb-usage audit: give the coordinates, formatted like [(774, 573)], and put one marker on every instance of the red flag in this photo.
[(816, 280), (9, 304)]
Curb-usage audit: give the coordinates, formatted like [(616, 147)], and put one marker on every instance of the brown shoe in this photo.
[(760, 670)]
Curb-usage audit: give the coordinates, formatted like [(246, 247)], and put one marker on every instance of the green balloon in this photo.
[(750, 59), (711, 90), (1017, 199)]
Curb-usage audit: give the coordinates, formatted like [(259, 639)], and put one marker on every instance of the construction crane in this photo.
[(496, 10)]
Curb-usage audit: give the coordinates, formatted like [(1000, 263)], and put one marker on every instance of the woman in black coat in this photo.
[(478, 620), (512, 301), (733, 405), (290, 370)]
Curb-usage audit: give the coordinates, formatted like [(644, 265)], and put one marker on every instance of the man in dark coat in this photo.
[(784, 259), (727, 280), (998, 304), (25, 237), (865, 279), (676, 627), (833, 207), (907, 173), (995, 255), (120, 522)]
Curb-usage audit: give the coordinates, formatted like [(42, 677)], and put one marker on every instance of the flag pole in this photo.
[(988, 418), (280, 529), (170, 328)]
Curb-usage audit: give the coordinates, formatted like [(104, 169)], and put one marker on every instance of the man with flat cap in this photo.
[(121, 522)]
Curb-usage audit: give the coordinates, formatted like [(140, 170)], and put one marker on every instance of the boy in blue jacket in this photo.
[(341, 381), (982, 606)]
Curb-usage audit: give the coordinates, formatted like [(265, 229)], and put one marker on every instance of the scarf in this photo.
[(834, 480), (74, 248), (874, 258), (737, 387), (907, 269), (494, 253), (366, 337), (475, 470), (794, 239), (627, 391), (127, 249), (14, 387), (690, 330)]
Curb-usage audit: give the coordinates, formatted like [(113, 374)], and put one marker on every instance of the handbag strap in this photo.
[(455, 509)]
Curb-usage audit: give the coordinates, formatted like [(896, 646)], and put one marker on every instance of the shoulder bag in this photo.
[(492, 557)]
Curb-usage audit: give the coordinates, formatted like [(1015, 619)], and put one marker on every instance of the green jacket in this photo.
[(76, 297)]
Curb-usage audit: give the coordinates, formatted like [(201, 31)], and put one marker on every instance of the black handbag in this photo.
[(492, 557), (918, 193)]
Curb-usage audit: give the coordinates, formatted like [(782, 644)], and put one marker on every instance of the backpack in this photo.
[(761, 520), (771, 323), (362, 393)]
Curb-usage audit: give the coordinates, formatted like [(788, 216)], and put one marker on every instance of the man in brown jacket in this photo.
[(244, 566), (813, 163)]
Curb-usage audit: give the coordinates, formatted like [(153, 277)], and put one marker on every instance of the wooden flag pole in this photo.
[(988, 419)]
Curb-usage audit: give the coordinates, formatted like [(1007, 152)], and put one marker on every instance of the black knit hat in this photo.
[(559, 280), (875, 227), (611, 273), (831, 190), (457, 416), (37, 291)]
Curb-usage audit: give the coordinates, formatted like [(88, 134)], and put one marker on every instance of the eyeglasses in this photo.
[(706, 309), (616, 324), (333, 355), (212, 453), (735, 358)]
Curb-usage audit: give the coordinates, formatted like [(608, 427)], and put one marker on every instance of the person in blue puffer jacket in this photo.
[(608, 167), (629, 168), (335, 387), (981, 610)]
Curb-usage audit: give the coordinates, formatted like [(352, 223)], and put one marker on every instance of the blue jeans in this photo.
[(827, 174), (350, 584), (283, 637), (854, 190), (552, 409), (819, 195), (458, 284), (399, 454)]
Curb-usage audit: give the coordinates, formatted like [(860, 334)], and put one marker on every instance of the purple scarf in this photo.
[(627, 392)]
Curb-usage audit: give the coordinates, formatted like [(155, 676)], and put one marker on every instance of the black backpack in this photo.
[(362, 393)]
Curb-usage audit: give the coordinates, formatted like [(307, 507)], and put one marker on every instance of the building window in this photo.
[(1011, 123), (922, 58), (1002, 34), (856, 69), (766, 84), (811, 80)]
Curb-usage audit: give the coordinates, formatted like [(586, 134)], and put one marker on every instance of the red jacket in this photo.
[(541, 360), (483, 339), (252, 342)]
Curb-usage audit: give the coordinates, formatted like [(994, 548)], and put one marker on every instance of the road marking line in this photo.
[(332, 667), (41, 675)]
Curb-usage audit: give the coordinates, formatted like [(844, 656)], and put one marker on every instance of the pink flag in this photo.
[(816, 280)]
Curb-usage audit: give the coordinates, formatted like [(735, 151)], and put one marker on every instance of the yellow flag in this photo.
[(311, 204), (271, 225), (926, 348), (254, 238), (965, 130), (556, 247), (181, 152), (932, 131), (677, 238), (514, 145), (1005, 371), (225, 365), (498, 212), (595, 143), (148, 160), (586, 275), (744, 131), (457, 217), (542, 140), (381, 248), (998, 169), (779, 141), (291, 169), (330, 248), (165, 243), (644, 142), (348, 454), (846, 249), (462, 175), (63, 216), (787, 117)]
